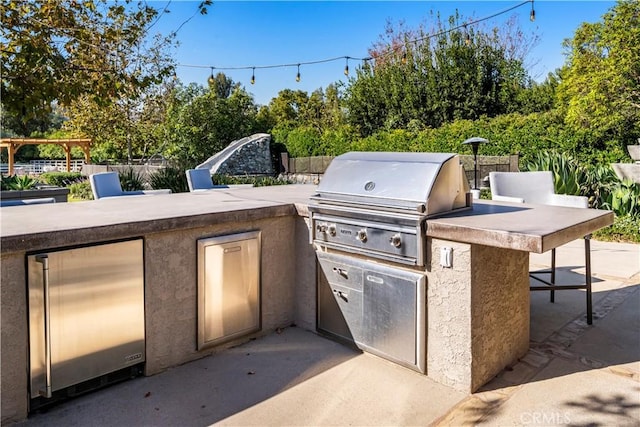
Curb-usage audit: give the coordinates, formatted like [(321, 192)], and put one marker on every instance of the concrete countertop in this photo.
[(524, 227), (28, 228), (513, 226)]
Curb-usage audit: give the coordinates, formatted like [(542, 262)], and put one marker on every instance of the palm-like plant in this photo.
[(19, 182)]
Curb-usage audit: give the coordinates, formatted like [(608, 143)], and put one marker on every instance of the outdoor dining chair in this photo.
[(538, 188), (107, 184), (200, 179)]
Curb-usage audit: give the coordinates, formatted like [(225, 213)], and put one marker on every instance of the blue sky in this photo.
[(260, 33)]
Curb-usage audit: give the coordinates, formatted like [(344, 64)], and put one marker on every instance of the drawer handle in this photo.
[(341, 294), (375, 279), (341, 272), (44, 260)]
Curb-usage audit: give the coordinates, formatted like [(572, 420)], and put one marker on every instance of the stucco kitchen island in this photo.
[(478, 311)]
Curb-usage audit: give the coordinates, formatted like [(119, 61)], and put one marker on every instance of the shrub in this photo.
[(130, 180), (598, 180), (61, 179), (623, 229), (81, 190), (19, 182), (568, 174), (623, 198), (169, 177), (257, 181)]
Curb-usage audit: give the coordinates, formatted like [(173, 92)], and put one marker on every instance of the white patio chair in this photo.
[(538, 188), (107, 184), (200, 179)]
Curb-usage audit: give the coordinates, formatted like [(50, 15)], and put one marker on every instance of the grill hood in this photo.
[(426, 183)]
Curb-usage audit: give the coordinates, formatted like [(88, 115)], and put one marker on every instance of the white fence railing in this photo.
[(36, 167)]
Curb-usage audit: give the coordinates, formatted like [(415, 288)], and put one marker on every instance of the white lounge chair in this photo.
[(107, 184), (538, 188)]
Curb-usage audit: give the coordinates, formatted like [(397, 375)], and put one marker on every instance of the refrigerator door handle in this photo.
[(44, 260)]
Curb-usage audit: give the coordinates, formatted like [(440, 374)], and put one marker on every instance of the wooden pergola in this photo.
[(13, 144)]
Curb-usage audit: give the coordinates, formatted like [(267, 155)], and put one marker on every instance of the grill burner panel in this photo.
[(395, 242)]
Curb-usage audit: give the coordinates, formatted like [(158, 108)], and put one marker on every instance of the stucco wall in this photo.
[(14, 346), (500, 310), (287, 276), (305, 288), (171, 287), (478, 313), (449, 315)]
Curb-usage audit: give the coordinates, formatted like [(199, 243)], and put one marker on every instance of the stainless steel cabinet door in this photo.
[(393, 316), (228, 287), (86, 313)]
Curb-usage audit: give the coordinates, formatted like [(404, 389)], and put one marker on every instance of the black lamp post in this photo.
[(475, 142)]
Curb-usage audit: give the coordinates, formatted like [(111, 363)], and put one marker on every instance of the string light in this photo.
[(212, 79), (365, 60), (467, 37), (532, 15), (253, 76)]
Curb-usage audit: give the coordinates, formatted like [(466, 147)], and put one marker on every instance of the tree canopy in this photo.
[(200, 122), (427, 78), (601, 79), (61, 51)]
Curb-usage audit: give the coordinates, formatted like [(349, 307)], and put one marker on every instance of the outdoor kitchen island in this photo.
[(477, 310)]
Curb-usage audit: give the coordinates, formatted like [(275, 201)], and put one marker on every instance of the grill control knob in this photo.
[(396, 240), (332, 230), (362, 235), (321, 228)]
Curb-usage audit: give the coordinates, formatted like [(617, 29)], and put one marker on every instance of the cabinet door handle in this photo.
[(375, 279), (341, 272), (44, 260), (340, 294)]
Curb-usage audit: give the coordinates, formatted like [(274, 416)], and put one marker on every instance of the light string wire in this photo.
[(298, 64), (367, 58)]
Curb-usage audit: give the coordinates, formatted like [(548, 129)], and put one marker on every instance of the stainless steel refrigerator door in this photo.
[(228, 287), (86, 313)]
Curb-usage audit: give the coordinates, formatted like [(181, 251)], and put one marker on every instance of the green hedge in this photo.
[(61, 179), (507, 134)]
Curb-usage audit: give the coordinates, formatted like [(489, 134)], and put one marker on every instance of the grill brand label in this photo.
[(345, 231), (133, 357), (369, 185)]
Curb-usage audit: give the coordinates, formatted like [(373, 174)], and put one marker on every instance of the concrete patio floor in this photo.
[(573, 374)]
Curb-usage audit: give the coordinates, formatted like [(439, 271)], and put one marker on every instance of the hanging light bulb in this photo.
[(212, 79), (346, 67), (404, 57), (467, 39), (253, 75), (532, 15), (298, 75)]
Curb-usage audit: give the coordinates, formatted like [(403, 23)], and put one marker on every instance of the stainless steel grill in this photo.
[(376, 204), (368, 226)]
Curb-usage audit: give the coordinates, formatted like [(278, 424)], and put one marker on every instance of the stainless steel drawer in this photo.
[(338, 272), (349, 302)]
